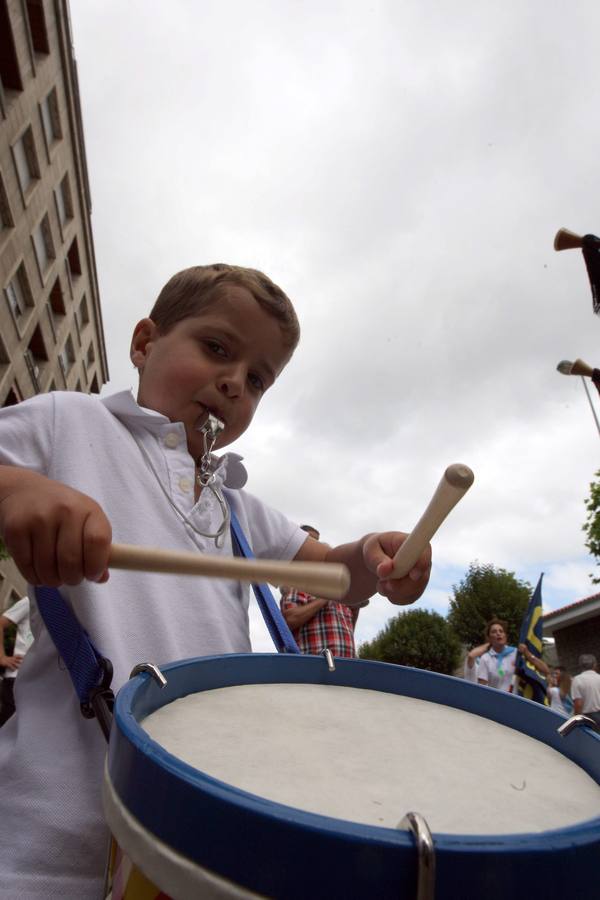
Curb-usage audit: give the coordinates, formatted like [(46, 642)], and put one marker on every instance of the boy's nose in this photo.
[(232, 381)]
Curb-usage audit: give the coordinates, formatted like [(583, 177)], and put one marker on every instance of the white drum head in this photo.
[(370, 757)]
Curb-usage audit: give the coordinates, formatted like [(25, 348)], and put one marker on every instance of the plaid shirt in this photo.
[(332, 626)]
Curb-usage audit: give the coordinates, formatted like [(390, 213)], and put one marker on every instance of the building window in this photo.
[(18, 294), (73, 258), (43, 245), (37, 346), (37, 26), (94, 389), (12, 397), (56, 306), (9, 63), (51, 119), (66, 357), (83, 316), (4, 357), (56, 299), (6, 219), (26, 162), (90, 356), (64, 202), (35, 355)]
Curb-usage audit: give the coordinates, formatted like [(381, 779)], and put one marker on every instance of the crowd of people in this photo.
[(494, 664)]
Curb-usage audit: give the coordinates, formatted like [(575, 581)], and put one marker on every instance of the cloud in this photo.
[(401, 170)]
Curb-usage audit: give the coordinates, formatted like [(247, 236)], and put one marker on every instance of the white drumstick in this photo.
[(455, 482), (323, 579)]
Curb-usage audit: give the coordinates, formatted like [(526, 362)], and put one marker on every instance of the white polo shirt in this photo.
[(498, 670), (471, 673), (52, 833), (586, 687)]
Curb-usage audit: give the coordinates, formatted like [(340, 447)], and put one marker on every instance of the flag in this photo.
[(531, 683)]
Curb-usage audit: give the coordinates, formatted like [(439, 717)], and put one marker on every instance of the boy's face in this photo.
[(220, 361)]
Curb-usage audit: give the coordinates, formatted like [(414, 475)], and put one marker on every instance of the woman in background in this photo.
[(559, 692)]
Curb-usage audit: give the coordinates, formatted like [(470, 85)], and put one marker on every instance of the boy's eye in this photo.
[(256, 381), (215, 347)]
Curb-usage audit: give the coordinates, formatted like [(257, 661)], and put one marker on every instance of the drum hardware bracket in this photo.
[(152, 670), (101, 699), (576, 722), (326, 652), (417, 825)]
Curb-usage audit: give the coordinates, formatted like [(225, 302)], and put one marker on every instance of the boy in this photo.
[(76, 473)]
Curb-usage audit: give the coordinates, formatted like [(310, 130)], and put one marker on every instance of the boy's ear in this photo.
[(143, 335)]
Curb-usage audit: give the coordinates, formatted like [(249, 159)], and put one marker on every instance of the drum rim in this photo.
[(133, 702)]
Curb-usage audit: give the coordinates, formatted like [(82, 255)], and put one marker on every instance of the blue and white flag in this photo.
[(531, 683)]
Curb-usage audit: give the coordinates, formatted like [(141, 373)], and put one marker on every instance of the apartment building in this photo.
[(51, 335)]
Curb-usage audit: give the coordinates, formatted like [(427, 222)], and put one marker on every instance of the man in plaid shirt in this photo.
[(317, 623)]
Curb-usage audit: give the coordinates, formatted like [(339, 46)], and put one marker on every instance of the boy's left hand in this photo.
[(378, 554)]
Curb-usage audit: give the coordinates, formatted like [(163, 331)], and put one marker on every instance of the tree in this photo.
[(592, 524), (418, 638), (483, 594)]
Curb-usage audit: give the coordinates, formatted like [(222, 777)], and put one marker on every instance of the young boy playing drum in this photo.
[(76, 473)]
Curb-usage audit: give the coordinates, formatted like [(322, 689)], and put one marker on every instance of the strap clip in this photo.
[(101, 699)]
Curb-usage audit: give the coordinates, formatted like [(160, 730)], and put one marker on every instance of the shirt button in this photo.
[(185, 484), (172, 440)]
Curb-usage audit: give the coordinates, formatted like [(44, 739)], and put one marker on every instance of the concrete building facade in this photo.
[(51, 334), (576, 630)]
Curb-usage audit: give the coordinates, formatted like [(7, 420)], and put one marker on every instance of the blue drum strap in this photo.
[(84, 663), (276, 624)]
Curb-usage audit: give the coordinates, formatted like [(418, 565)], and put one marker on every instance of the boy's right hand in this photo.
[(55, 534)]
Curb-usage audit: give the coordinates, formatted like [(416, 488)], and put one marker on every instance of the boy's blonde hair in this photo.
[(192, 290)]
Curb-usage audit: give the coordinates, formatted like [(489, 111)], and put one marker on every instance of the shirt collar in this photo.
[(123, 406)]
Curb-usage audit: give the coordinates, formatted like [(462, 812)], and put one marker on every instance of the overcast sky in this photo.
[(400, 169)]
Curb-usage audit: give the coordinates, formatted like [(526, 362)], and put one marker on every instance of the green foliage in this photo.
[(483, 594), (416, 638), (592, 524)]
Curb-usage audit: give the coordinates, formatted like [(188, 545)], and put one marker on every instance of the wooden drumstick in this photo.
[(455, 482), (323, 579)]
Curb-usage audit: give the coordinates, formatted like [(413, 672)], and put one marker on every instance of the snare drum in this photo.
[(267, 775)]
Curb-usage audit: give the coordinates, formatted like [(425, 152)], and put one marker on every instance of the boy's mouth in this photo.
[(206, 412)]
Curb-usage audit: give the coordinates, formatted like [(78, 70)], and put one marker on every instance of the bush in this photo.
[(418, 638), (486, 593)]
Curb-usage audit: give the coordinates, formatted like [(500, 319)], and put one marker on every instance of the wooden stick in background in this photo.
[(455, 482), (567, 240), (330, 580)]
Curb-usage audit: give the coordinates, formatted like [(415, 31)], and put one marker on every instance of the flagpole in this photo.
[(587, 391)]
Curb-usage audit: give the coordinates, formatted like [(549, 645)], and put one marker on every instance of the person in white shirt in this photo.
[(470, 671), (17, 614), (496, 658), (585, 688), (559, 691)]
